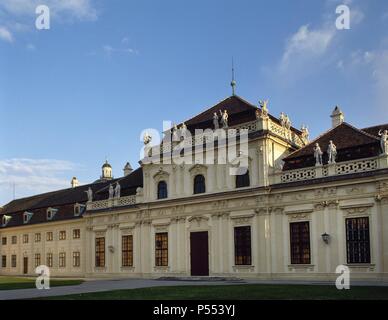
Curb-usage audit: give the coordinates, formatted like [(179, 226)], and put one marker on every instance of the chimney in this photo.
[(74, 182), (337, 117), (127, 169)]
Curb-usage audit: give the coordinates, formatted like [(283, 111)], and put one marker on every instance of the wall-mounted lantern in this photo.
[(325, 238)]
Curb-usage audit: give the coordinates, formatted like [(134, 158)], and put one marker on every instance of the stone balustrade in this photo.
[(110, 203), (336, 169), (251, 126)]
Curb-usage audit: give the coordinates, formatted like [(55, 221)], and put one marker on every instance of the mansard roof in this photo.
[(52, 199), (351, 143), (239, 110), (376, 129), (64, 200), (128, 185)]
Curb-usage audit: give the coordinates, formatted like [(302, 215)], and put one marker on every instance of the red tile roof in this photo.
[(351, 143), (343, 136)]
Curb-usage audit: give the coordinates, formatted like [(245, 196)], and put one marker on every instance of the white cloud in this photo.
[(311, 48), (307, 44), (30, 47), (5, 34), (372, 64), (33, 176), (108, 49), (19, 16), (80, 9)]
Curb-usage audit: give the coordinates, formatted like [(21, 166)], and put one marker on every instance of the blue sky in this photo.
[(85, 89)]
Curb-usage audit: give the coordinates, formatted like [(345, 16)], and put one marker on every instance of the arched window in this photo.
[(199, 184), (162, 190), (242, 180)]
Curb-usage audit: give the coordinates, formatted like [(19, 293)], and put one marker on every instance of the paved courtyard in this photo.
[(121, 284)]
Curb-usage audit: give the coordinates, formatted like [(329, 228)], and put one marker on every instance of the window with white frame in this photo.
[(79, 209), (27, 216), (5, 219), (51, 212)]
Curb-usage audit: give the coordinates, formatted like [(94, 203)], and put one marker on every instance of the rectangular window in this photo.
[(127, 251), (13, 261), (300, 242), (242, 246), (14, 239), (25, 238), (4, 241), (4, 261), (62, 235), (37, 237), (62, 259), (357, 240), (49, 260), (76, 233), (100, 252), (76, 259), (37, 259), (49, 236), (161, 249)]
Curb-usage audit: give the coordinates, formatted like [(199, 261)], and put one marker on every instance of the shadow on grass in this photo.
[(236, 292)]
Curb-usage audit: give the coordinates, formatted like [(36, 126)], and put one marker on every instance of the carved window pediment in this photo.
[(161, 175), (198, 169), (237, 160)]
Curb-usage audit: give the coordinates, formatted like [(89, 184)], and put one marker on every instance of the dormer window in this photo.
[(51, 213), (79, 209), (5, 219), (27, 217)]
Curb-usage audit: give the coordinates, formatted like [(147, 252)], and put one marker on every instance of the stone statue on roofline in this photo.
[(111, 191), (282, 119), (183, 130), (384, 141), (174, 131), (305, 133), (89, 193), (318, 155), (224, 119), (264, 108), (216, 123), (117, 191), (287, 122), (331, 152), (147, 138)]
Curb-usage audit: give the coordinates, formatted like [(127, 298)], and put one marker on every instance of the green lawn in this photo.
[(236, 292), (10, 283)]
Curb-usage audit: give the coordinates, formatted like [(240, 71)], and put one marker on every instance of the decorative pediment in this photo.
[(242, 158), (242, 219), (161, 175), (351, 208), (161, 226), (299, 209), (198, 169), (198, 220)]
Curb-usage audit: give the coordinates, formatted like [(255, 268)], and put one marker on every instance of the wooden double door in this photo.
[(199, 253), (25, 265)]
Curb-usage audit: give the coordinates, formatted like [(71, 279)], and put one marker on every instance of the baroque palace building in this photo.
[(299, 210)]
